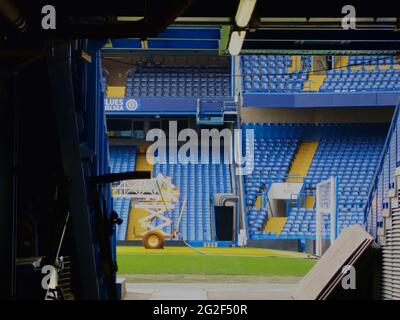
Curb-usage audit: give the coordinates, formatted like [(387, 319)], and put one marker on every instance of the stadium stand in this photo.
[(122, 206), (122, 158), (364, 73), (354, 162), (353, 159), (197, 182), (156, 80), (383, 181), (272, 158), (274, 73), (382, 210)]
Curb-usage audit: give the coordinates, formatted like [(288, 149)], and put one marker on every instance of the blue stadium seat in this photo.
[(152, 80), (374, 78), (353, 159), (270, 73), (197, 182)]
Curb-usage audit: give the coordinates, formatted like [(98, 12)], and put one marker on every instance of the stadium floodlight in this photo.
[(244, 12), (236, 42)]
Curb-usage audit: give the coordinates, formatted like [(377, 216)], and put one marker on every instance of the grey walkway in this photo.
[(279, 289)]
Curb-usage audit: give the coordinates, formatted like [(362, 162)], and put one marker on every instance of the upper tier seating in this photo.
[(122, 158), (372, 73), (373, 61), (270, 73), (156, 80)]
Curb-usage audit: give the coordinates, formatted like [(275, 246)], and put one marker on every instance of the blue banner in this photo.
[(166, 105), (120, 104)]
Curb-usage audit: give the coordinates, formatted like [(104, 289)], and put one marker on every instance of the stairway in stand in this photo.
[(314, 81), (275, 225), (302, 160)]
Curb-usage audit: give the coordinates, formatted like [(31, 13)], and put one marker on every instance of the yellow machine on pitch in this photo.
[(157, 197)]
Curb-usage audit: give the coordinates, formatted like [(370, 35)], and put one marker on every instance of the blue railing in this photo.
[(213, 224), (243, 199), (383, 179)]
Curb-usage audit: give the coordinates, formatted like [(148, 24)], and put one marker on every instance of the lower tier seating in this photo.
[(352, 159), (197, 182), (122, 158), (272, 158), (122, 207)]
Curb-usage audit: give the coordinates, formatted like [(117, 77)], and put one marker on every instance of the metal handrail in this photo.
[(287, 175), (374, 184), (294, 176)]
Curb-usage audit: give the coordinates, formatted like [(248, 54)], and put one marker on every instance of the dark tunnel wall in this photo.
[(31, 175), (53, 144), (39, 160), (7, 216)]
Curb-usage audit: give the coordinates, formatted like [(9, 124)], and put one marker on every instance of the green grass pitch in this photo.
[(215, 262)]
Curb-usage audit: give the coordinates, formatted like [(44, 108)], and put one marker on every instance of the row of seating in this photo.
[(270, 73), (154, 80), (364, 74), (372, 60), (197, 183), (122, 158), (272, 158), (261, 73), (354, 162), (122, 207), (351, 158)]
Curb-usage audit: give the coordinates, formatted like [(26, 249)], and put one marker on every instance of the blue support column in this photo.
[(97, 130), (65, 107)]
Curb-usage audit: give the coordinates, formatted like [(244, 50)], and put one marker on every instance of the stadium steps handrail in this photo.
[(379, 170)]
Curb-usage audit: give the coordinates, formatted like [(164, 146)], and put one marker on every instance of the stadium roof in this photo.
[(205, 25)]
